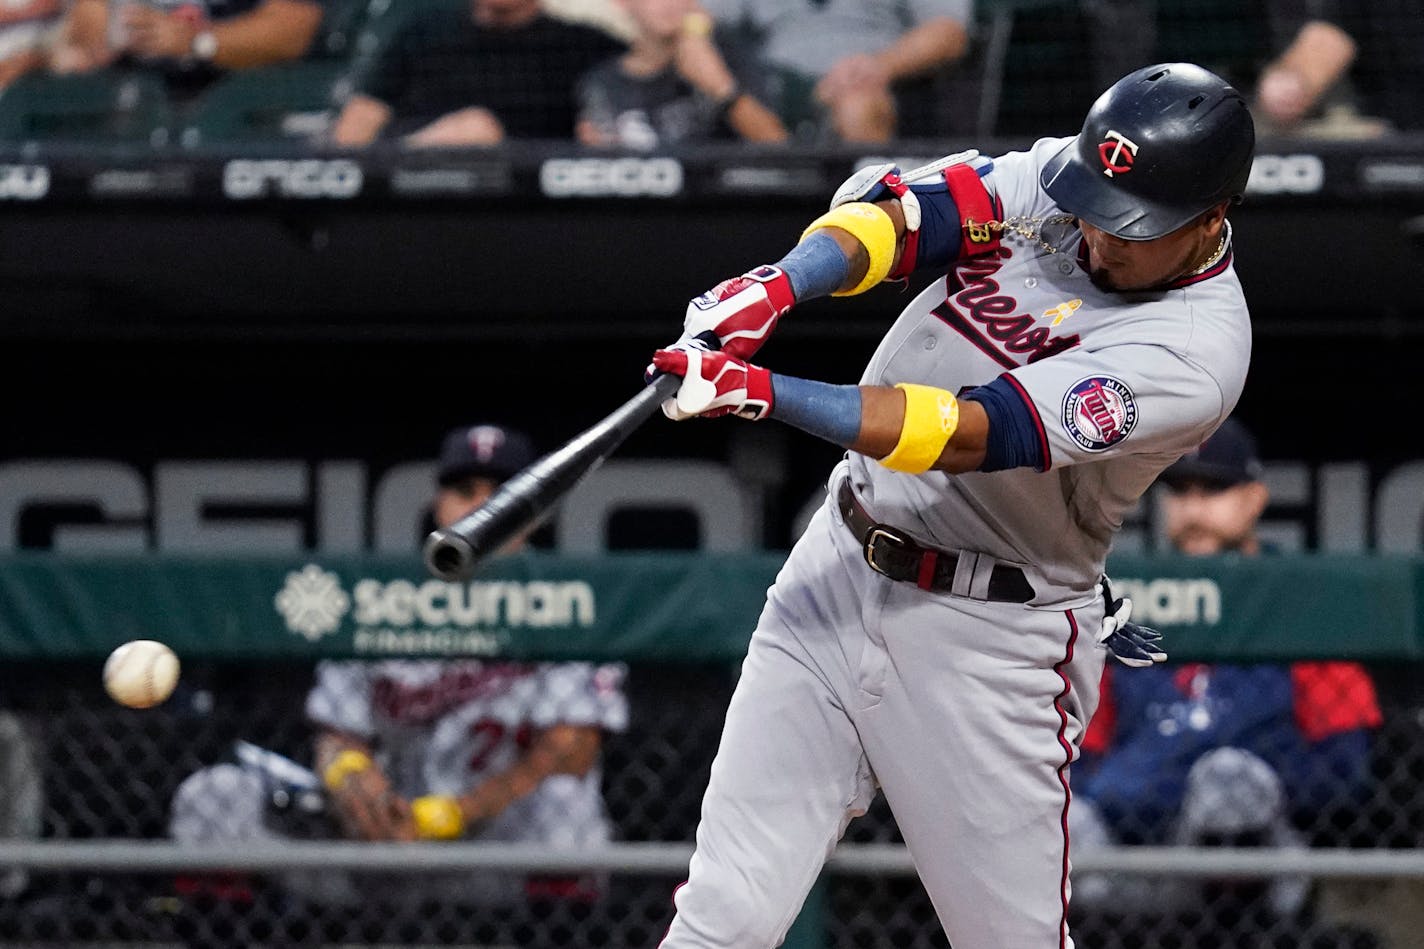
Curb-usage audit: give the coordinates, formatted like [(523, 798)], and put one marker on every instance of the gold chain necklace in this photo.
[(1031, 228), (1217, 254)]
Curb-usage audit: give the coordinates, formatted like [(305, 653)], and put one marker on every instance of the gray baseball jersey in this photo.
[(442, 727), (1122, 384), (965, 707)]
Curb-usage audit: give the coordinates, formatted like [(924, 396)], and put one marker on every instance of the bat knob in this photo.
[(449, 556)]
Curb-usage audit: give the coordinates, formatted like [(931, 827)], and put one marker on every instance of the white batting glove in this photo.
[(714, 384)]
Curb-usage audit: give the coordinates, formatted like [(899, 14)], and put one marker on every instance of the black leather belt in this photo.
[(890, 552)]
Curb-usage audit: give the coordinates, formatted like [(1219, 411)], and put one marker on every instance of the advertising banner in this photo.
[(664, 606)]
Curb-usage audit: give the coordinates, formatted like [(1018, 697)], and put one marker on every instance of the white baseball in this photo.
[(141, 673)]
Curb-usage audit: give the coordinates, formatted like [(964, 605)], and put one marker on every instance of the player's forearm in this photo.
[(924, 48), (835, 260), (359, 790), (562, 749), (276, 32), (328, 745), (871, 420)]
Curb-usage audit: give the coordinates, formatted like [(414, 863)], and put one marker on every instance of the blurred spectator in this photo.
[(671, 86), (843, 68), (21, 793), (435, 749), (502, 69), (192, 41), (1216, 753), (610, 16), (1292, 84), (28, 29), (1335, 68), (1349, 68)]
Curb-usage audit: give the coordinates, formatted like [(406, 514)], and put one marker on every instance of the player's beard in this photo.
[(1192, 261), (1101, 280)]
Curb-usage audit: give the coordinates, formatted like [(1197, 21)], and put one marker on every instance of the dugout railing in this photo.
[(101, 871)]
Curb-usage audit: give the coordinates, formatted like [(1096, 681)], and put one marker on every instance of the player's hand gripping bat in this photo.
[(522, 502)]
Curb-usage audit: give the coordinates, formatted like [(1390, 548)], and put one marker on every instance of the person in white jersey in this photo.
[(939, 630), (414, 749)]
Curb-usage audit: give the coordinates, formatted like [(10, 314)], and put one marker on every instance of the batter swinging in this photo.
[(932, 633)]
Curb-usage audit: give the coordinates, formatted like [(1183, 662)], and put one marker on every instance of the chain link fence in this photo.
[(82, 770)]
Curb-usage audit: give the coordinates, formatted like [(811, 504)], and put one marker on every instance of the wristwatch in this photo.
[(205, 46)]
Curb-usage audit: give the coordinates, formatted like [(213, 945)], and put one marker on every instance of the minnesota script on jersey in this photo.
[(1121, 385)]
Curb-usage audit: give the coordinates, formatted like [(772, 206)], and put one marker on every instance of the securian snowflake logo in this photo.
[(312, 602)]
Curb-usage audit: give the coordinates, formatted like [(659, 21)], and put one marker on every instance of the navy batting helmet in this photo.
[(1161, 146)]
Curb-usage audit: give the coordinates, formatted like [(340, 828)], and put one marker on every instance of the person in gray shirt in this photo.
[(840, 65)]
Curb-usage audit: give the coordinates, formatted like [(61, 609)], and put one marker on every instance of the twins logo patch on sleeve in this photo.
[(1099, 412)]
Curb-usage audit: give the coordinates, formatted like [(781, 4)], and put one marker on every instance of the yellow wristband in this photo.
[(931, 416), (344, 765), (437, 817), (869, 224)]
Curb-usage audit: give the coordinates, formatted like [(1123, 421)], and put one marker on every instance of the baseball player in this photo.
[(932, 632), (441, 749)]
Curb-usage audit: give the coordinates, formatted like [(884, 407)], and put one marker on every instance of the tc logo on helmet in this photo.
[(1117, 153)]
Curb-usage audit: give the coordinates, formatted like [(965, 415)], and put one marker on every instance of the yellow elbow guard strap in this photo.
[(931, 416), (870, 225), (437, 817)]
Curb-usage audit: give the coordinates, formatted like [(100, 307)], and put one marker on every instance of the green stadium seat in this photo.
[(108, 107), (289, 102)]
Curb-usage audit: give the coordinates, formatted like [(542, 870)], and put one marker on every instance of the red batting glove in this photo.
[(742, 311), (714, 384)]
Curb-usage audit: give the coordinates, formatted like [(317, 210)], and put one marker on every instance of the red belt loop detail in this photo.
[(927, 569)]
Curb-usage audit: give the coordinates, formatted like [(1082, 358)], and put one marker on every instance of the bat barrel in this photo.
[(453, 553), (448, 556), (520, 503)]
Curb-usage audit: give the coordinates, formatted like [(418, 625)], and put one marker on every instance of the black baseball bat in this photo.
[(522, 502)]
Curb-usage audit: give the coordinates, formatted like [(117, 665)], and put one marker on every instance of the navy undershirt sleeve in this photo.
[(939, 228), (1013, 432)]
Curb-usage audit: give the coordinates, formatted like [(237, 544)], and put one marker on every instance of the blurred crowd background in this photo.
[(317, 383), (637, 74)]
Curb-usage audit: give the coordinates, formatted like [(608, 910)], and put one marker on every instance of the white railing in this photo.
[(669, 859)]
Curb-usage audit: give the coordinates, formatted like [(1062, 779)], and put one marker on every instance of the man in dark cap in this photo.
[(1216, 496), (513, 751), (1201, 753), (474, 461), (437, 749)]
